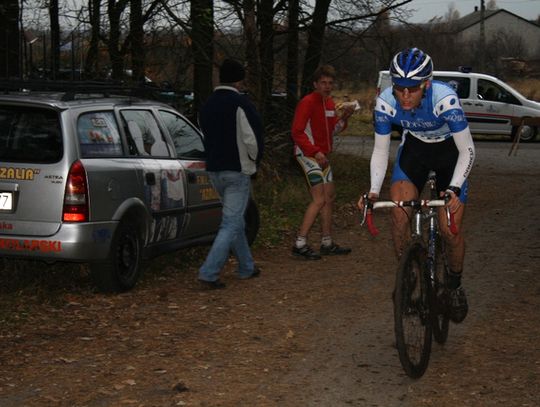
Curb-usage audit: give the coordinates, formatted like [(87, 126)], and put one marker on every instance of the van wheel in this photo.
[(121, 271), (253, 221), (528, 133)]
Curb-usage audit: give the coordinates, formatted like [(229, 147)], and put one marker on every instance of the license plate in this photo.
[(6, 201)]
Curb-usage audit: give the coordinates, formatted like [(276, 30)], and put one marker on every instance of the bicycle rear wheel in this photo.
[(412, 323), (439, 313)]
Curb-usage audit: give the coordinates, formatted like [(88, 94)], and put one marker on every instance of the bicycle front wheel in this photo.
[(412, 323)]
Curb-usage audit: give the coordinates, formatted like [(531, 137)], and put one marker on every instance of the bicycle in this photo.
[(420, 305)]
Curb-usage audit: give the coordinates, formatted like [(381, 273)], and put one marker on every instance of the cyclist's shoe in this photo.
[(306, 252), (457, 305), (334, 249)]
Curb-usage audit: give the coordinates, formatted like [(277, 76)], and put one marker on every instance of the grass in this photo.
[(528, 87), (283, 196)]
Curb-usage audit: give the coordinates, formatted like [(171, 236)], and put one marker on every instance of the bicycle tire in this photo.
[(412, 322), (439, 312)]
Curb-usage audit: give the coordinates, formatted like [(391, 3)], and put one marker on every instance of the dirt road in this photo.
[(304, 333)]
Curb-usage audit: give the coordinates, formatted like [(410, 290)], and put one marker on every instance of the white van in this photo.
[(491, 106)]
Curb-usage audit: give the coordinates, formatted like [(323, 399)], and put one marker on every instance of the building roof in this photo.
[(475, 17)]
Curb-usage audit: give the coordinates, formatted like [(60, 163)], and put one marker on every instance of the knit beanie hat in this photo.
[(231, 71)]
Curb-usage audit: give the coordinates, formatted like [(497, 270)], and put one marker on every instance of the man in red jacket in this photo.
[(314, 126)]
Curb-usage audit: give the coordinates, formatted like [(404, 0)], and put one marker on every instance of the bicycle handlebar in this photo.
[(369, 206)]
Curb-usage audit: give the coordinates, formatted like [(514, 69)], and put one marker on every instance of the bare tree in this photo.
[(91, 66), (10, 39), (55, 37), (115, 9), (315, 43), (292, 56), (452, 14), (136, 23), (202, 36), (492, 5)]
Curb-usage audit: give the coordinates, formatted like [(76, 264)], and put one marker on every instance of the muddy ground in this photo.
[(304, 333)]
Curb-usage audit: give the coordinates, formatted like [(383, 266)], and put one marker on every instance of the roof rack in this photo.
[(71, 89)]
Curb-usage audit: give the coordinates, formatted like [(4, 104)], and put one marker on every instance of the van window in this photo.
[(31, 135), (98, 135), (490, 91), (187, 140), (462, 86), (144, 131)]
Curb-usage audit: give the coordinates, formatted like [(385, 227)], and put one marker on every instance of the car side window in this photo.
[(187, 140), (495, 93), (462, 86), (144, 133), (98, 135)]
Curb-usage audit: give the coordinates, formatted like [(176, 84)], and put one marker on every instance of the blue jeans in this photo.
[(233, 187)]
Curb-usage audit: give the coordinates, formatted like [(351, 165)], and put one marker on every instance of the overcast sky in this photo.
[(427, 9)]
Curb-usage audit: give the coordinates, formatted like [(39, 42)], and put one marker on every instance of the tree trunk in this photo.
[(55, 37), (315, 43), (202, 45), (253, 79), (10, 40), (91, 67), (292, 58), (266, 47), (137, 41), (114, 11)]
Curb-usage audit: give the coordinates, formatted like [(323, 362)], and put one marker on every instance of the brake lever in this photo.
[(450, 216), (366, 207)]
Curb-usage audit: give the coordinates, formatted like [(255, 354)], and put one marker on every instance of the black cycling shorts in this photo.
[(416, 158)]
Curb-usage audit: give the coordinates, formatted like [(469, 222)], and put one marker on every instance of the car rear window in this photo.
[(30, 135), (98, 135)]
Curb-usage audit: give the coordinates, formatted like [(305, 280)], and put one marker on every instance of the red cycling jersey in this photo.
[(313, 126)]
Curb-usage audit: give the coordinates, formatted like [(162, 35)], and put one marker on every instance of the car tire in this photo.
[(121, 271), (528, 133), (253, 221)]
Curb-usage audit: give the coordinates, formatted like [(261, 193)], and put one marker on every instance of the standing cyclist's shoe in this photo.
[(306, 252), (334, 249), (457, 303)]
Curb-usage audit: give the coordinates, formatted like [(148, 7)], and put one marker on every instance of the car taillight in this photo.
[(76, 195)]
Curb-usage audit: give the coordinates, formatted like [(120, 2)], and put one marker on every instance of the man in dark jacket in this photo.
[(233, 138)]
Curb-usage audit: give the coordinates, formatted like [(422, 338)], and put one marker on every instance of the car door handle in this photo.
[(191, 177), (467, 103), (479, 104), (150, 178)]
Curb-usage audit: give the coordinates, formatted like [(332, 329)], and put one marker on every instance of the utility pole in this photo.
[(482, 48)]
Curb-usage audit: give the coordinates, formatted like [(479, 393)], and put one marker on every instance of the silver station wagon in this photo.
[(105, 180)]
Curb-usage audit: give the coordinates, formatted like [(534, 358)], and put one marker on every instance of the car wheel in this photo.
[(253, 221), (528, 133), (121, 271)]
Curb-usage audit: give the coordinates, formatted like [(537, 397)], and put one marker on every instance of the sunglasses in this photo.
[(410, 89)]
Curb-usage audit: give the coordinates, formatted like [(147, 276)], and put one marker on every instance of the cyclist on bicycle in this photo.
[(436, 137)]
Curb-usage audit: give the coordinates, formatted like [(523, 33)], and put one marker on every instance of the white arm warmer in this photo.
[(379, 161), (465, 146)]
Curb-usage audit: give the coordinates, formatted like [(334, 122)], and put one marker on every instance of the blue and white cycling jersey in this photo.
[(438, 116)]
